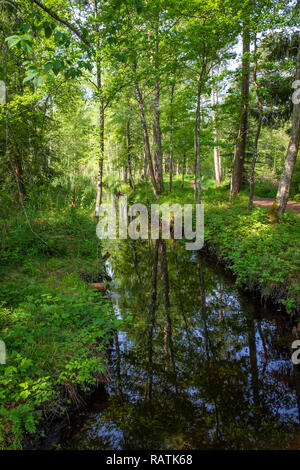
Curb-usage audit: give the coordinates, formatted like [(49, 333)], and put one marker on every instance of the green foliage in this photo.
[(61, 83), (55, 327), (263, 188), (263, 256), (65, 351)]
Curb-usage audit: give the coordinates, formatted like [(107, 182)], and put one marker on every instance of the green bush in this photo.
[(46, 365)]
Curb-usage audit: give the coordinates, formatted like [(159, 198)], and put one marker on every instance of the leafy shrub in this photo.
[(67, 348)]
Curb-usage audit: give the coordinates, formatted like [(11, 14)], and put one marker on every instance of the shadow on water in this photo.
[(196, 365)]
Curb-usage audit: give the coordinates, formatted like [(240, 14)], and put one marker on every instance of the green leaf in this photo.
[(47, 29), (30, 76), (38, 81), (13, 40), (26, 45), (57, 65)]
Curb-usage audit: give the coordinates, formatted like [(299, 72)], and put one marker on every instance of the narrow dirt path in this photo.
[(267, 203)]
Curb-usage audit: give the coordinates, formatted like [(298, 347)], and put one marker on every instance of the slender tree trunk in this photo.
[(101, 119), (240, 146), (181, 298), (253, 367), (156, 123), (197, 143), (168, 324), (157, 138), (118, 364), (183, 170), (291, 156), (140, 100), (166, 347), (145, 168), (17, 165), (274, 164), (152, 314), (197, 139), (171, 136), (155, 157), (272, 147), (154, 59), (217, 162), (19, 173), (203, 305), (128, 151), (257, 135)]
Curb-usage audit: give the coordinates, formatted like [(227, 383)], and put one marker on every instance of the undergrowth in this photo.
[(55, 327), (264, 256)]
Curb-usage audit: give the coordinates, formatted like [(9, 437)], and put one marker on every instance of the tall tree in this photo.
[(217, 159), (100, 112), (292, 151), (128, 153), (258, 129), (197, 138), (241, 140), (156, 122), (171, 145)]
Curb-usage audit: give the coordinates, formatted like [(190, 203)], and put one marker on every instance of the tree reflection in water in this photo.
[(197, 365)]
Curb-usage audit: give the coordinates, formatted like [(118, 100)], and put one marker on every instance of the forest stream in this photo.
[(196, 364)]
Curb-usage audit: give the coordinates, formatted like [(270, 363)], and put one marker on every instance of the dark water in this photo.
[(196, 365)]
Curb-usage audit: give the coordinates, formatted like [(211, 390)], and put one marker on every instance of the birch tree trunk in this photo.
[(292, 151), (148, 156), (240, 146), (217, 161)]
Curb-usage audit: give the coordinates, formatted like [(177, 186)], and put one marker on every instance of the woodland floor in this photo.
[(266, 202)]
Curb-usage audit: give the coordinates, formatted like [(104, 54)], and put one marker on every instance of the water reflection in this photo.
[(196, 365)]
